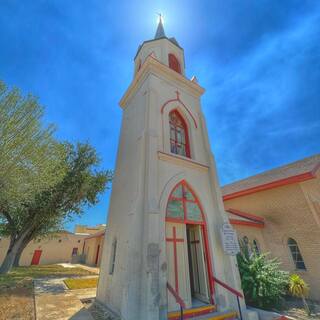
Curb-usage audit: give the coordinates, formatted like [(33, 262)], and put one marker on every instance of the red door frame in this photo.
[(97, 256), (36, 257), (204, 230)]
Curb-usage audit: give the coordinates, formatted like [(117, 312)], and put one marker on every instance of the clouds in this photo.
[(265, 104), (258, 60)]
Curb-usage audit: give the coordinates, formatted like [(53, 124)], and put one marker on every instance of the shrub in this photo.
[(299, 288), (263, 283)]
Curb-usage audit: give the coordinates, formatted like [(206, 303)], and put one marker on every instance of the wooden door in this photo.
[(199, 273), (36, 257), (177, 264)]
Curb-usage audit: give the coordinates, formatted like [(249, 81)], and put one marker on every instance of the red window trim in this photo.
[(203, 228), (174, 63), (186, 133)]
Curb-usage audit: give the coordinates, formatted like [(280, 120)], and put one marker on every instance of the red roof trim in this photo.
[(278, 183), (246, 215), (246, 223)]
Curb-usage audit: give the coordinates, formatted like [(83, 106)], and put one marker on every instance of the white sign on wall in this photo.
[(229, 240)]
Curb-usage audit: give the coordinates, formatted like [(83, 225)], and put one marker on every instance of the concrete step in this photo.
[(192, 312), (227, 315)]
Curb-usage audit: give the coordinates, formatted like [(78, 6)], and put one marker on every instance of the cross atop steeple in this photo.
[(160, 30)]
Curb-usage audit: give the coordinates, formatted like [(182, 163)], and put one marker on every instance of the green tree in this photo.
[(79, 189), (299, 288), (42, 182), (263, 283), (30, 158)]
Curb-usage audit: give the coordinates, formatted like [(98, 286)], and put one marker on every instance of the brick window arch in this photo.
[(174, 63), (296, 254), (179, 139)]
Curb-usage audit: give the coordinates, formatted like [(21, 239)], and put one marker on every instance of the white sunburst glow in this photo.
[(160, 16)]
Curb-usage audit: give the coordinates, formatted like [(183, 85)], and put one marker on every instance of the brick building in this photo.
[(278, 211)]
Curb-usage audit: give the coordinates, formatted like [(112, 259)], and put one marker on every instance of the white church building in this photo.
[(163, 251)]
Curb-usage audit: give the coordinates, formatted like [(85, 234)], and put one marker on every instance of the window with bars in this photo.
[(179, 140), (183, 204), (256, 246), (296, 254)]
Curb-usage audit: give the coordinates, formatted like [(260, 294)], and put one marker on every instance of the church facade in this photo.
[(163, 247)]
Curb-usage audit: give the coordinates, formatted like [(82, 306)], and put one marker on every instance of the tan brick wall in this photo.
[(288, 214), (90, 250), (53, 250)]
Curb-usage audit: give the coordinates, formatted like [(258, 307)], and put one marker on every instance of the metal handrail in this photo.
[(234, 291), (178, 299)]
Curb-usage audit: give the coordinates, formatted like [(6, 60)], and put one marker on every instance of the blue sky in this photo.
[(259, 61)]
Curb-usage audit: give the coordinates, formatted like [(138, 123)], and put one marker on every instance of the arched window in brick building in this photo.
[(179, 140), (174, 63), (256, 246), (296, 254)]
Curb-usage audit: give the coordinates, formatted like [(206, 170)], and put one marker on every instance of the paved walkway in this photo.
[(54, 301), (82, 266)]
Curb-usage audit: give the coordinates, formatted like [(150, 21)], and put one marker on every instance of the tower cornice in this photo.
[(152, 66)]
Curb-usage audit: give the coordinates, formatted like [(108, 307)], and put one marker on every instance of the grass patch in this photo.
[(81, 283), (22, 276)]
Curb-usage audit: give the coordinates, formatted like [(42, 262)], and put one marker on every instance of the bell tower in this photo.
[(166, 210)]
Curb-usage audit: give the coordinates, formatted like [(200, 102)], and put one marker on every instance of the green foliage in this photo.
[(263, 283), (42, 182), (297, 286), (30, 157), (49, 208)]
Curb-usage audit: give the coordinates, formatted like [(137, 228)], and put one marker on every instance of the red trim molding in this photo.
[(270, 185), (246, 215), (246, 223), (179, 100)]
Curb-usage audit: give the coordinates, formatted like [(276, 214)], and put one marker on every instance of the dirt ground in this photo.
[(294, 308), (16, 289), (17, 303)]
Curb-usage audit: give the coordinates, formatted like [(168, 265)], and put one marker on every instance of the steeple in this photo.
[(160, 30)]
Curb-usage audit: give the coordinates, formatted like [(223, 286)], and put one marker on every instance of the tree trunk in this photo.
[(25, 242), (19, 253), (10, 256), (15, 243)]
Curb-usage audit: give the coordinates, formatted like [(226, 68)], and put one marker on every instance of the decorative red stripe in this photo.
[(245, 215), (271, 185), (246, 223)]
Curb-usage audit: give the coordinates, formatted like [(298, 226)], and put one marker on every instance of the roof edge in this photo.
[(274, 184), (246, 215)]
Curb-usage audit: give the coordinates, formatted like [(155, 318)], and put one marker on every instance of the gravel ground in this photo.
[(97, 312), (16, 304)]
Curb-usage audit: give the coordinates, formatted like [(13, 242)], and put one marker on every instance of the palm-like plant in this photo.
[(300, 289)]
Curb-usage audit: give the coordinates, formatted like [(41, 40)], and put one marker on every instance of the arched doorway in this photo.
[(188, 259)]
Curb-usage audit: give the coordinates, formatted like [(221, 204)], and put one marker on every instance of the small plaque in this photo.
[(229, 240)]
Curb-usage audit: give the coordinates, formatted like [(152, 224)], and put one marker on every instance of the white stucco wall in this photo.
[(145, 175)]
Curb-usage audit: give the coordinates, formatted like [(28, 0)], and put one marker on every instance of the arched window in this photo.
[(296, 255), (256, 246), (174, 63), (179, 140), (183, 205)]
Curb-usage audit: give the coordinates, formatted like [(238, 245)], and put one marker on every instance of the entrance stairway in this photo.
[(207, 312)]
